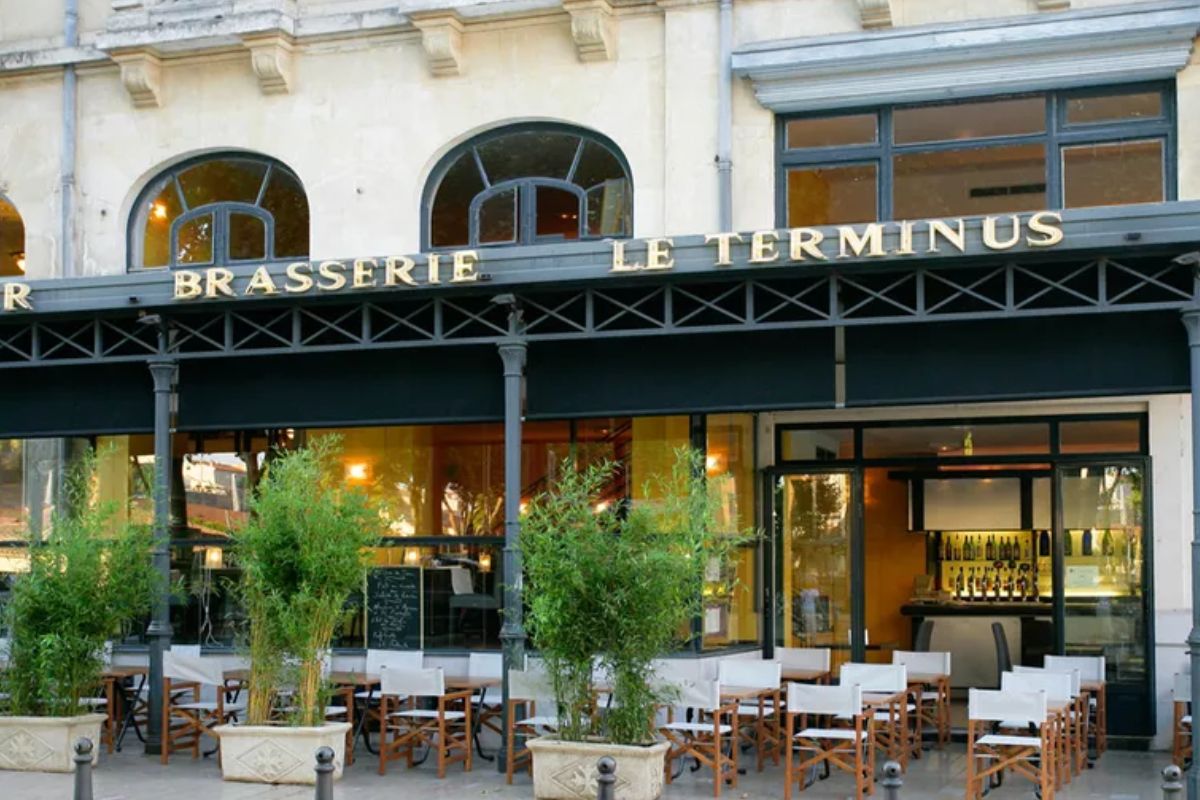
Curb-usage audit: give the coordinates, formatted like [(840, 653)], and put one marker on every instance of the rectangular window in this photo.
[(976, 157), (961, 440), (816, 444)]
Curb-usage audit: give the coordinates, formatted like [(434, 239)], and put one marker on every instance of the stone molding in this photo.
[(441, 37), (271, 56), (875, 13), (141, 75), (1053, 5), (1067, 49), (593, 29)]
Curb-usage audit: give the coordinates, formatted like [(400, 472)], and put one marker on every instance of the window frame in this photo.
[(221, 211), (526, 222), (1057, 135)]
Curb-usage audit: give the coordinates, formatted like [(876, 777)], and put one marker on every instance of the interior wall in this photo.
[(894, 556)]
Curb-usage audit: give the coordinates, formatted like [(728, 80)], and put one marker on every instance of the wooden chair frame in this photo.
[(707, 746), (1017, 758), (856, 756), (765, 733), (1181, 736), (403, 735), (193, 722)]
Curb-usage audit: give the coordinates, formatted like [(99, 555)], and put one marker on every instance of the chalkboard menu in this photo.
[(394, 608)]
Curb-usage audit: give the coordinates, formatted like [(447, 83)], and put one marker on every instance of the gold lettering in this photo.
[(618, 259), (762, 247), (805, 241), (464, 267), (187, 284), (955, 236), (299, 277), (217, 281), (364, 273), (722, 240), (989, 233), (658, 254), (332, 271), (397, 270), (434, 266), (16, 295), (906, 240), (261, 281), (1048, 224), (871, 240)]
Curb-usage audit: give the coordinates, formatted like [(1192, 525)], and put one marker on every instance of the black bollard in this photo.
[(1172, 783), (324, 773), (83, 769), (891, 782), (607, 782)]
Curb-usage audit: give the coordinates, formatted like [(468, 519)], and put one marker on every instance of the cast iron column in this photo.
[(159, 630), (1191, 320), (512, 633)]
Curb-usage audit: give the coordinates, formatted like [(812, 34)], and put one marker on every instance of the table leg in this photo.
[(477, 723), (362, 729), (129, 707)]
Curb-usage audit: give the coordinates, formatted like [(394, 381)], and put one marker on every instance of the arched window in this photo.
[(217, 210), (12, 240), (529, 183)]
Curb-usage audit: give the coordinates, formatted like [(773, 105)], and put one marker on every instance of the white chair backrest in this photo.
[(1183, 687), (704, 695), (412, 682), (889, 678), (1091, 668), (530, 683), (917, 663), (377, 660), (485, 665), (750, 673), (205, 671), (844, 700), (1072, 673), (460, 581), (107, 655), (1020, 708), (192, 650), (1056, 685), (814, 658)]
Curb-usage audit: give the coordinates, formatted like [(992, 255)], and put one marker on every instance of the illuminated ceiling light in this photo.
[(159, 210), (601, 507), (214, 557), (357, 471)]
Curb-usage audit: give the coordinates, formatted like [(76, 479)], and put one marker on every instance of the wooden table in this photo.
[(917, 681), (806, 675), (120, 706), (1099, 690), (480, 685), (895, 742)]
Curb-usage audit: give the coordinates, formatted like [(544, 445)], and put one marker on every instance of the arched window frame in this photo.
[(221, 212), (526, 186)]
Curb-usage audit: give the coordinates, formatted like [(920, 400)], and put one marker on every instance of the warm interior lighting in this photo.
[(485, 562), (159, 211), (412, 556), (19, 258), (214, 557), (523, 507), (601, 507), (357, 471), (712, 464)]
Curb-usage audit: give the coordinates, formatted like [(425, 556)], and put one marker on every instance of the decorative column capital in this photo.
[(875, 13), (271, 58), (593, 29), (141, 75), (164, 371), (441, 36), (1191, 321), (513, 354)]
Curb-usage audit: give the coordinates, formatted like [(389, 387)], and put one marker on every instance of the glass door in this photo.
[(815, 535), (1105, 584)]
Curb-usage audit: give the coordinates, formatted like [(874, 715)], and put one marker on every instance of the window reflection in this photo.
[(12, 240)]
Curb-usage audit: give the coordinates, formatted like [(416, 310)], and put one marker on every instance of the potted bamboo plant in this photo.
[(303, 552), (89, 579), (618, 589)]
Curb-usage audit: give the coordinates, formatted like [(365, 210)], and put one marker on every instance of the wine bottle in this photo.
[(1006, 549), (958, 553), (1087, 542), (989, 550), (1044, 544), (967, 554), (949, 549), (1067, 546), (1106, 544), (1025, 549)]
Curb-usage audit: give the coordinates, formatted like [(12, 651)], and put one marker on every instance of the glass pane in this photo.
[(823, 444), (498, 218), (957, 440), (814, 529), (557, 213), (222, 180), (828, 195), (206, 610), (12, 240), (12, 488), (1142, 105), (247, 237), (448, 218), (597, 165), (1113, 174), (531, 154), (1104, 567), (831, 131), (1012, 117), (608, 208), (731, 610), (161, 211), (195, 244), (954, 183), (287, 204), (1101, 436)]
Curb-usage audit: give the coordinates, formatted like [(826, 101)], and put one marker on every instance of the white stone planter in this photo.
[(567, 770), (46, 744), (276, 754)]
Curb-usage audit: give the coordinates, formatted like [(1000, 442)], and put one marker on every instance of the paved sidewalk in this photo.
[(131, 776)]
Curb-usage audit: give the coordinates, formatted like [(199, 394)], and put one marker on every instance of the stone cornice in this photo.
[(1142, 41), (875, 13), (441, 38), (593, 29)]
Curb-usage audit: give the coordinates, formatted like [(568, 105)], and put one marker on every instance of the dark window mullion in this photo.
[(487, 183), (575, 161), (1114, 133), (885, 203), (829, 155), (526, 212), (220, 235), (262, 189), (179, 193), (1054, 188), (969, 144)]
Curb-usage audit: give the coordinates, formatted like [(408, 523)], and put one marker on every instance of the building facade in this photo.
[(914, 274)]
